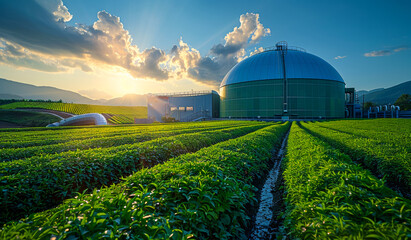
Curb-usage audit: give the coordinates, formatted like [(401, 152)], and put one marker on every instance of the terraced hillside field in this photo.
[(345, 179), (115, 114)]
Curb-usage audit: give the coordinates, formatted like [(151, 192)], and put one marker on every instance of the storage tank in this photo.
[(282, 82)]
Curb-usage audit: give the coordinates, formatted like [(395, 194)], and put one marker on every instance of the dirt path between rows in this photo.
[(266, 225)]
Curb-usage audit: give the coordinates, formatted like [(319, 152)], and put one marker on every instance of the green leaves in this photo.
[(383, 146), (328, 196), (42, 182), (202, 195)]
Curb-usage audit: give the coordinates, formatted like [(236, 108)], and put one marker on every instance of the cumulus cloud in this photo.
[(187, 61), (224, 57), (249, 32), (340, 57), (57, 8), (387, 52), (183, 58), (36, 35), (257, 50), (18, 56), (150, 65), (39, 28)]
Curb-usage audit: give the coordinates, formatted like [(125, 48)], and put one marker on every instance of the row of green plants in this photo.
[(51, 129), (121, 119), (66, 133), (392, 138), (203, 195), (42, 182), (9, 154), (391, 134), (328, 196), (42, 137), (394, 125), (79, 132), (21, 165), (74, 131), (384, 159)]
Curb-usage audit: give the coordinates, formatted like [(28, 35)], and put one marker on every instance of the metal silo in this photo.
[(283, 82)]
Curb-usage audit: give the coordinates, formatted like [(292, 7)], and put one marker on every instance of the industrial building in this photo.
[(184, 107), (352, 105), (279, 83)]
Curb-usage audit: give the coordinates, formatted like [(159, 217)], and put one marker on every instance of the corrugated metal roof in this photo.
[(268, 65)]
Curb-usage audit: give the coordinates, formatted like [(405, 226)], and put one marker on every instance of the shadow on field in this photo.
[(342, 131)]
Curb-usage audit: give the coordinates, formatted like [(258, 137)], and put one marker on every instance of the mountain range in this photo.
[(383, 96), (15, 90)]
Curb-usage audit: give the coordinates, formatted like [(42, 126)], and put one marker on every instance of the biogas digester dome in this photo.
[(282, 83)]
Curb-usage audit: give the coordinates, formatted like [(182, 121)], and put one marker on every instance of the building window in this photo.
[(173, 108), (181, 108), (189, 109)]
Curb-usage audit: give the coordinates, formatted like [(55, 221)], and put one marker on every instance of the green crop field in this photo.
[(343, 179), (26, 118), (331, 191), (118, 114)]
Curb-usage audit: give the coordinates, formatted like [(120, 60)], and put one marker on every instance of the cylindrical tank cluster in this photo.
[(384, 108), (384, 111)]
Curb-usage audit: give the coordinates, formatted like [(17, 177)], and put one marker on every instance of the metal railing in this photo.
[(184, 94), (289, 48)]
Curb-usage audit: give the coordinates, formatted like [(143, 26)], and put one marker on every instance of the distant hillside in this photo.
[(127, 100), (362, 92), (15, 90), (387, 95), (28, 91), (9, 96)]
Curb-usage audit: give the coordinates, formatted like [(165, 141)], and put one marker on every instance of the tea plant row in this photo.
[(384, 159), (390, 125), (9, 154), (395, 132), (45, 136), (329, 196), (40, 182), (204, 195)]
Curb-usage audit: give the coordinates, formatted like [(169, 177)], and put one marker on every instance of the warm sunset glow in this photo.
[(211, 119), (101, 50)]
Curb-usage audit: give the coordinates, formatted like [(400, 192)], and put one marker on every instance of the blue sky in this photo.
[(328, 29)]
